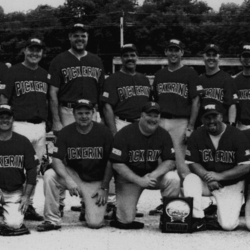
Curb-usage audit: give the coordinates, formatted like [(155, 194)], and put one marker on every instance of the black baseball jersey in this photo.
[(17, 159), (87, 154), (220, 89), (3, 70), (26, 91), (127, 94), (139, 152), (175, 90), (242, 84), (233, 149), (77, 79)]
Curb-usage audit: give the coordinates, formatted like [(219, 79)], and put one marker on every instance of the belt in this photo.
[(128, 120), (34, 121), (68, 104), (170, 116)]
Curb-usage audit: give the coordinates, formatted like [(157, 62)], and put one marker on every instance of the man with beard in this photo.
[(135, 154), (242, 83), (217, 85), (218, 156), (75, 74)]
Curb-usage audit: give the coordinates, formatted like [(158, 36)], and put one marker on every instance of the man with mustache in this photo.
[(136, 151)]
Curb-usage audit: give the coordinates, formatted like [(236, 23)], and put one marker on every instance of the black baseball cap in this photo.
[(34, 42), (4, 108), (78, 26), (245, 49), (213, 47), (175, 43), (151, 106), (83, 103), (208, 109), (128, 47)]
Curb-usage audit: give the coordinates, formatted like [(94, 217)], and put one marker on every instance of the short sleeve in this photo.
[(109, 94)]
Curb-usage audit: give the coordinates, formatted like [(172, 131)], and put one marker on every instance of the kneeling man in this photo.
[(137, 150), (18, 163), (80, 164), (218, 156)]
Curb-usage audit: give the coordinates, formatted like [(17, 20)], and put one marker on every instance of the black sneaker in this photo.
[(157, 211), (211, 212), (213, 224), (61, 210), (7, 231), (82, 214), (76, 208), (132, 225), (1, 210), (31, 214), (242, 210), (47, 226), (198, 224)]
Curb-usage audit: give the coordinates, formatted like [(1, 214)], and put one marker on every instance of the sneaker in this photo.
[(242, 210), (76, 208), (61, 210), (213, 224), (157, 211), (198, 224), (1, 211), (7, 231), (132, 225), (211, 212), (47, 226), (31, 214)]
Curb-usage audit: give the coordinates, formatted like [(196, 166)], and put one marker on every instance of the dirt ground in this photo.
[(75, 235)]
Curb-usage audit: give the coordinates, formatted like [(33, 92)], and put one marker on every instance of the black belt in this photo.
[(170, 116), (128, 120), (34, 121), (68, 104)]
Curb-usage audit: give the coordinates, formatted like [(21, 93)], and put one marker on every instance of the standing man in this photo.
[(176, 90), (219, 156), (80, 164), (25, 86), (242, 83), (17, 175), (218, 86), (135, 154), (125, 92), (75, 74)]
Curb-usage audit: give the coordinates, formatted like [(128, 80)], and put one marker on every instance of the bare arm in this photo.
[(163, 168), (25, 199), (123, 170), (194, 112), (232, 113), (198, 169), (60, 169), (231, 174), (54, 106), (109, 117)]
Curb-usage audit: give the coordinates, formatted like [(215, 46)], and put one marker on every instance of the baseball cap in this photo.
[(245, 49), (4, 108), (175, 43), (211, 47), (78, 26), (34, 42), (128, 47), (151, 106), (210, 109), (83, 103)]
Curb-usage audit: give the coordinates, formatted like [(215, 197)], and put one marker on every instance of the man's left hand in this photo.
[(212, 176), (24, 203), (101, 196)]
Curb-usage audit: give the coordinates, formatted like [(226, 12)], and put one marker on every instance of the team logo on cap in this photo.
[(246, 47), (83, 101), (175, 41), (210, 106), (35, 40), (80, 25), (5, 107)]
